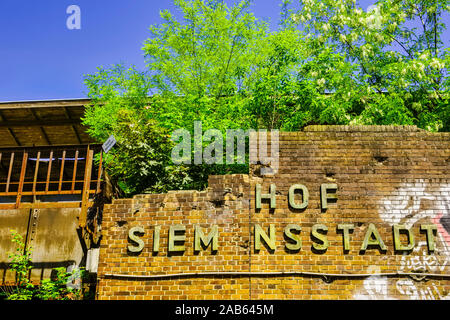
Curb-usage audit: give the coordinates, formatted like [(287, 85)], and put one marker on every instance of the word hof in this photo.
[(372, 239)]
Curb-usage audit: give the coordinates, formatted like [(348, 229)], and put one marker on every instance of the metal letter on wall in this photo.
[(200, 238), (271, 196), (325, 196), (430, 229), (269, 240), (305, 199), (398, 246), (136, 239), (345, 228), (156, 233), (319, 236), (173, 237), (373, 238), (295, 238)]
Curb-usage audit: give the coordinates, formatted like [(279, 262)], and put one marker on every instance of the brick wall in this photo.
[(385, 176)]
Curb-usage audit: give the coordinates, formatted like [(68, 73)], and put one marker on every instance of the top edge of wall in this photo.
[(370, 128)]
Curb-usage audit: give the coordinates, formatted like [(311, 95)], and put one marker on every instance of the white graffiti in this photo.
[(420, 261), (408, 288), (420, 201), (411, 203), (376, 287)]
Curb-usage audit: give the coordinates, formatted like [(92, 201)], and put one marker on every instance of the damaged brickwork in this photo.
[(385, 176)]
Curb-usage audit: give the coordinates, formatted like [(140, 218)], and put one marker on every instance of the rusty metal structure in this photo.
[(31, 173), (51, 184)]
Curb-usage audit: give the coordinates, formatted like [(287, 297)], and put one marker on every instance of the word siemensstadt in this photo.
[(372, 239)]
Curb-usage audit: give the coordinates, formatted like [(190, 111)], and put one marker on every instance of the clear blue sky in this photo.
[(40, 58)]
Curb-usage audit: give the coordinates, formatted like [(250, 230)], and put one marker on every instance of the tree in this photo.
[(398, 72), (329, 62), (197, 70)]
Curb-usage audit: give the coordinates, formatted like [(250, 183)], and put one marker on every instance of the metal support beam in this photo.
[(40, 123)]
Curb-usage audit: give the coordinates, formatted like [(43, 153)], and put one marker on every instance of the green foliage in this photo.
[(21, 264), (398, 73), (50, 289), (330, 62), (57, 288), (209, 53), (197, 71), (141, 162), (113, 90)]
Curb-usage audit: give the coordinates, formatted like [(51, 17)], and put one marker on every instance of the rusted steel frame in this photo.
[(74, 176), (41, 205), (36, 169), (22, 178), (11, 162), (86, 187), (49, 170), (61, 173)]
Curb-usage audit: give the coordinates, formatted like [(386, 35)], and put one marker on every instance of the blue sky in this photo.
[(40, 58)]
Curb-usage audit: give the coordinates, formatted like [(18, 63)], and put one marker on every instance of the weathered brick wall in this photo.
[(385, 176)]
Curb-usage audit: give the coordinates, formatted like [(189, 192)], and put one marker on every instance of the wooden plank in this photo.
[(74, 171), (13, 135), (67, 113), (45, 104), (1, 166), (61, 173), (100, 168), (22, 178), (42, 205), (86, 187), (10, 131), (44, 133), (41, 193), (39, 123), (11, 162), (36, 169), (49, 170), (51, 182), (7, 206)]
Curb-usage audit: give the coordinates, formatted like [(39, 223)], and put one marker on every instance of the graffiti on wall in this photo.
[(409, 204)]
